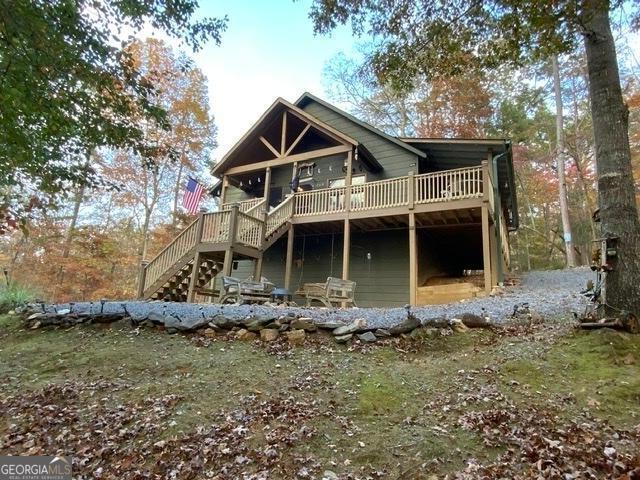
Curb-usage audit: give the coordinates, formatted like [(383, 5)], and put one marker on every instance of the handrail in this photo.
[(249, 230), (279, 215)]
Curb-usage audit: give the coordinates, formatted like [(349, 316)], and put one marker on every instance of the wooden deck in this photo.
[(452, 197)]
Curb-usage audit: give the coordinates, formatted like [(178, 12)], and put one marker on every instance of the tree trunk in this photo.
[(616, 195), (560, 159)]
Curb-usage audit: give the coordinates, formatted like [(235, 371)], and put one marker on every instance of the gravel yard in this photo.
[(549, 293)]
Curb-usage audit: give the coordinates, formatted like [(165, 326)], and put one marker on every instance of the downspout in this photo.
[(497, 206)]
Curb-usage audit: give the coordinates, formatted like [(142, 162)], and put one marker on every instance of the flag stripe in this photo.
[(193, 194)]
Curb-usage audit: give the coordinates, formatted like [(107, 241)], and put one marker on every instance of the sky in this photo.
[(268, 51)]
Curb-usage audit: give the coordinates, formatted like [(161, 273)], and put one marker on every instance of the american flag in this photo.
[(192, 196)]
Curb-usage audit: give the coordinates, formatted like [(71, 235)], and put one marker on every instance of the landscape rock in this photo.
[(245, 335), (268, 334), (156, 317), (255, 324), (210, 332), (221, 321), (330, 325), (382, 332), (296, 337), (184, 325), (344, 338), (409, 324), (367, 337), (357, 326), (305, 324), (457, 325), (329, 475), (472, 320)]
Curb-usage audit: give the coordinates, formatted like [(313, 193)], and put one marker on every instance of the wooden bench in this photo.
[(334, 290), (242, 291)]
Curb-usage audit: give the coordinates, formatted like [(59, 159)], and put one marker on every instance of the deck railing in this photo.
[(455, 184), (257, 210), (320, 202), (249, 230), (380, 194), (216, 227), (179, 247), (279, 215), (245, 205), (458, 184)]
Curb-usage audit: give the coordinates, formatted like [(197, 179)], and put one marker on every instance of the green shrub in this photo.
[(14, 296)]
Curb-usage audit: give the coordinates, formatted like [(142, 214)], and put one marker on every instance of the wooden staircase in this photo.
[(207, 246)]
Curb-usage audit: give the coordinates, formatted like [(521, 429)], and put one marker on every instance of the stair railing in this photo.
[(169, 255), (279, 216), (257, 210)]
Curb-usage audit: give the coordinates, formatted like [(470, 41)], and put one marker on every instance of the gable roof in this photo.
[(307, 97), (271, 113)]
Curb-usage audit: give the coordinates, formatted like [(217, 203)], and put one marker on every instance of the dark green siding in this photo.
[(382, 281), (396, 161)]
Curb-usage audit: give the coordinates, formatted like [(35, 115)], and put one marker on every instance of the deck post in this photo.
[(233, 223), (413, 260), (195, 270), (223, 194), (347, 182), (267, 187), (485, 180), (411, 194), (486, 250), (142, 275), (289, 261), (346, 247)]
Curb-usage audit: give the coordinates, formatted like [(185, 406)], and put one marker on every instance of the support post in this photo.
[(142, 276), (486, 251), (257, 271), (346, 249), (226, 269), (193, 280), (496, 254), (289, 261), (413, 260)]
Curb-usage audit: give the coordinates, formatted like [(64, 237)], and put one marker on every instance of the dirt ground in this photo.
[(529, 401)]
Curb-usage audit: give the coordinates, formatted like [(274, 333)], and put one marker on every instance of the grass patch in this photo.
[(600, 370), (380, 394), (14, 296)]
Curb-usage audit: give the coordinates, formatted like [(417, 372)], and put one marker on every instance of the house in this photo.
[(311, 191)]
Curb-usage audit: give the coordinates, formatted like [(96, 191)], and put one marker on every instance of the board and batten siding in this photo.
[(395, 160), (381, 281)]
